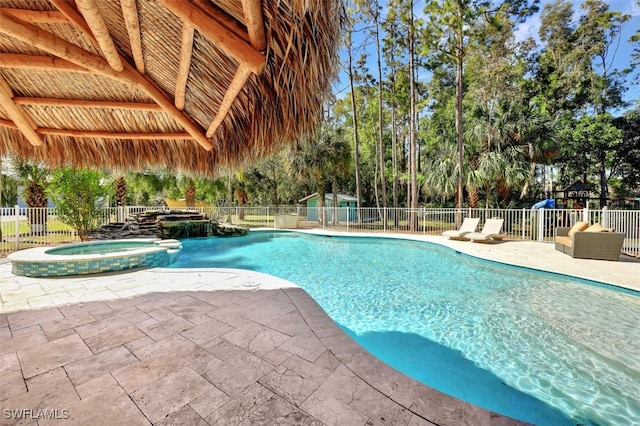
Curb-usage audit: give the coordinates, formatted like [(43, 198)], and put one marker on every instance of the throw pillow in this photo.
[(596, 227), (579, 226)]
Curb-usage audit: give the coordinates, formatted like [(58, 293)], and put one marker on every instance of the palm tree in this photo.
[(323, 158), (241, 193), (35, 178), (504, 143), (189, 192), (121, 191), (143, 185), (441, 179)]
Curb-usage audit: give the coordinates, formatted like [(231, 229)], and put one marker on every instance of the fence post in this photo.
[(541, 218), (384, 220), (523, 224), (585, 213), (605, 217), (347, 213), (17, 216)]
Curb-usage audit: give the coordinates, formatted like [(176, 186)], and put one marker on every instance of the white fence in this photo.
[(28, 227)]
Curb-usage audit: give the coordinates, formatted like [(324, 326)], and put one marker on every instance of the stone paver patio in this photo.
[(215, 346)]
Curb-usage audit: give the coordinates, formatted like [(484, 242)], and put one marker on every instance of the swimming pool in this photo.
[(539, 347)]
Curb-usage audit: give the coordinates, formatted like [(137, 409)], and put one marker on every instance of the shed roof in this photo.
[(329, 196), (192, 86)]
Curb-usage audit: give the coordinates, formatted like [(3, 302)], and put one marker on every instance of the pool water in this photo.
[(100, 247), (539, 347)]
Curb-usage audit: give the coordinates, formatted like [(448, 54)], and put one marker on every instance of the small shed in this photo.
[(347, 212), (574, 196)]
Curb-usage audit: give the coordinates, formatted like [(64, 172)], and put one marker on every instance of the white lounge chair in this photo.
[(469, 224), (491, 231)]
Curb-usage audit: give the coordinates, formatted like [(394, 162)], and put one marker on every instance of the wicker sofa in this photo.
[(589, 242)]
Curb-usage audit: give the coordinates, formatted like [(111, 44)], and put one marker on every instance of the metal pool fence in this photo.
[(28, 227)]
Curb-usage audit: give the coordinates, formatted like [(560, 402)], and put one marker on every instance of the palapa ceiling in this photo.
[(194, 86)]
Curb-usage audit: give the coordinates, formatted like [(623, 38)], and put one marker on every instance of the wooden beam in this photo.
[(130, 14), (104, 135), (78, 103), (4, 85), (222, 37), (255, 24), (113, 135), (38, 16), (44, 63), (223, 18), (94, 19), (54, 45), (186, 50), (23, 122), (66, 8), (60, 47), (8, 123), (239, 79)]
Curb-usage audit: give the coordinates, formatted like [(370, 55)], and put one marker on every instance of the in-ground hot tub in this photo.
[(94, 257)]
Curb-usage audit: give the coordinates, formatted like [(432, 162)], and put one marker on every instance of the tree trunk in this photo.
[(413, 178), (604, 189), (381, 148), (356, 148), (459, 124), (334, 188), (321, 215), (190, 194)]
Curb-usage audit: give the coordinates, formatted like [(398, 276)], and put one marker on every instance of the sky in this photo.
[(530, 29)]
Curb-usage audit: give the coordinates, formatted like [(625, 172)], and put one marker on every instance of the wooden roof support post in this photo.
[(23, 122), (185, 64), (255, 23), (74, 17), (222, 37), (94, 19), (130, 14), (239, 79)]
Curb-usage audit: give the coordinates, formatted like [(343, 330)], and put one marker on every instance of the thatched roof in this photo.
[(194, 86)]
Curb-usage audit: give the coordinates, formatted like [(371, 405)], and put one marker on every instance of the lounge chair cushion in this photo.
[(596, 227), (468, 225), (491, 231), (579, 226)]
